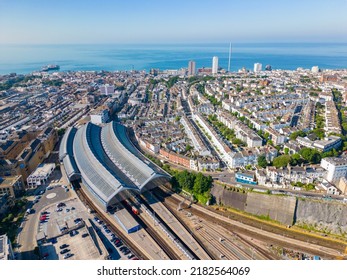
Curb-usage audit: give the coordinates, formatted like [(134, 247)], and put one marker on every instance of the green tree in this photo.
[(188, 148), (202, 183), (185, 180), (61, 131), (281, 161), (262, 162), (310, 155), (295, 135)]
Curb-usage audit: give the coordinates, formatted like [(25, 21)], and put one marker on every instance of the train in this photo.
[(135, 210)]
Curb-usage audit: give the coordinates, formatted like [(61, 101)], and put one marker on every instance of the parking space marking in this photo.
[(51, 195)]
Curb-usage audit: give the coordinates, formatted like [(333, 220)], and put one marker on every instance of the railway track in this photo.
[(156, 237), (309, 239), (224, 253), (237, 253), (84, 198), (173, 213), (176, 238)]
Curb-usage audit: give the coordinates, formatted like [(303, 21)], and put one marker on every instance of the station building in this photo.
[(107, 163)]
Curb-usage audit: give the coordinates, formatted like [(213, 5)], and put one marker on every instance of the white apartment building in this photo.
[(99, 116), (336, 168), (257, 67), (40, 175), (315, 69), (215, 65), (191, 68)]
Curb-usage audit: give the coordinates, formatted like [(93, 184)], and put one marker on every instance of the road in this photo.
[(26, 238)]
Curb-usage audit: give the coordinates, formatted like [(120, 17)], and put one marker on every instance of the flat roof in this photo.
[(43, 169), (125, 218), (9, 180)]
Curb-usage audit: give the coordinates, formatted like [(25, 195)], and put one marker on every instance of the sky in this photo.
[(175, 21)]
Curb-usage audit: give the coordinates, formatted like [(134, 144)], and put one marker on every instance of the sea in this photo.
[(23, 59)]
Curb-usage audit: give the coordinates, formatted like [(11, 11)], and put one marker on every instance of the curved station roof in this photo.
[(106, 161)]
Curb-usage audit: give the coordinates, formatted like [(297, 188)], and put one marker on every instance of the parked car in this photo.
[(63, 229), (85, 235), (73, 233), (68, 255), (64, 251), (63, 246)]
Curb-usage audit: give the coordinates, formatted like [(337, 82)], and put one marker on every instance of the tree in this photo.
[(310, 155), (286, 150), (281, 161), (319, 132), (295, 135), (185, 180), (262, 162), (61, 131), (188, 148), (202, 183)]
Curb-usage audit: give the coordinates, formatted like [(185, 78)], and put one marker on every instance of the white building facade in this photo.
[(215, 65), (336, 168)]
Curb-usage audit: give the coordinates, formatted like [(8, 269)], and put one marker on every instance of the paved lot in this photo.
[(29, 228), (81, 246)]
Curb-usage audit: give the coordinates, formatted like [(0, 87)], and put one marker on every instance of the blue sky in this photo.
[(175, 21)]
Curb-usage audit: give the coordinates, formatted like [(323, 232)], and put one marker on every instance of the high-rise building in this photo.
[(191, 68), (315, 69), (215, 65), (257, 67)]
